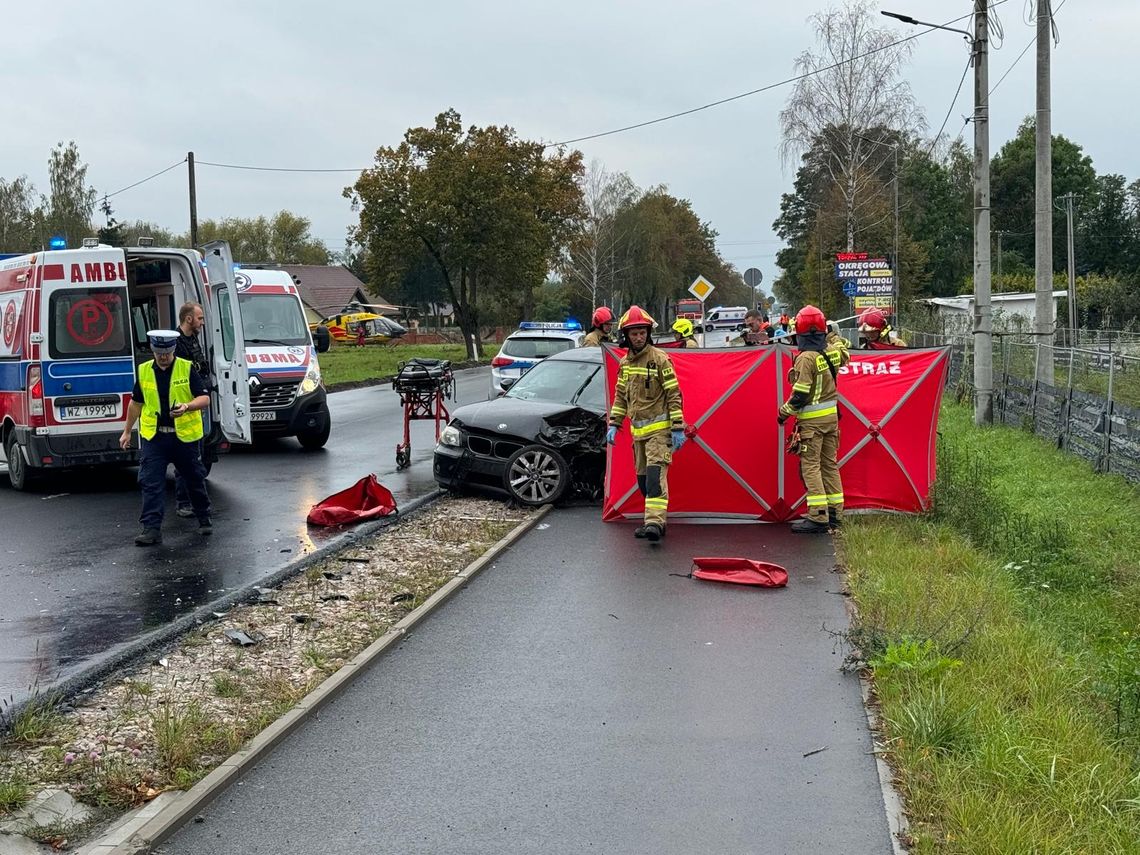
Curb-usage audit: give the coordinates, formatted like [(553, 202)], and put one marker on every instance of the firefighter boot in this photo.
[(834, 521), (809, 526), (654, 532), (640, 531)]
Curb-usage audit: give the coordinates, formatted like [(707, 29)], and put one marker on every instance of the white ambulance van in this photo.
[(286, 393), (74, 324)]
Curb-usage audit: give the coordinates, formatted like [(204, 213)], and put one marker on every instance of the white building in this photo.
[(1011, 311)]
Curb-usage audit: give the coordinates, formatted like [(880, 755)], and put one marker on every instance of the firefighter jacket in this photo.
[(691, 342), (814, 395), (594, 338), (648, 393), (836, 350)]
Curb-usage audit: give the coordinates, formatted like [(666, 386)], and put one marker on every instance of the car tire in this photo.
[(18, 473), (314, 440), (536, 475)]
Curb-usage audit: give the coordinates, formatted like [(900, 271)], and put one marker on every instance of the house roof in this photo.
[(329, 288), (964, 301)]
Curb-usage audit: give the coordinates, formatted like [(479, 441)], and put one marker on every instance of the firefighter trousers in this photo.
[(819, 468), (651, 459)]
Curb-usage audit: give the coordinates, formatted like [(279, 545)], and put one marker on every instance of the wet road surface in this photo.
[(74, 587), (577, 696)]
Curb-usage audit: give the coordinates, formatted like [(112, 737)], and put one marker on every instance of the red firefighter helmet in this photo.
[(810, 319), (872, 319), (602, 315), (635, 316)]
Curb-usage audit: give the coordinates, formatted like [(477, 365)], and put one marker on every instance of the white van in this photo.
[(726, 318)]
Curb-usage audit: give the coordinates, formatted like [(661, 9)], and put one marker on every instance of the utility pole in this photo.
[(1043, 304), (999, 234), (898, 265), (193, 202), (983, 316), (1072, 266)]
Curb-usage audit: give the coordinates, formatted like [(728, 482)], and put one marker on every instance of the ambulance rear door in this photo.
[(228, 342)]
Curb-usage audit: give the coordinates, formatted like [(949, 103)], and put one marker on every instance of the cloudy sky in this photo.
[(321, 85)]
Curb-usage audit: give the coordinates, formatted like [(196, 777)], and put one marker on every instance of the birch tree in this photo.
[(597, 255), (853, 98)]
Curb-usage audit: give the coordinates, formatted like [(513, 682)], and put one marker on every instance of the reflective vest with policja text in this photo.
[(188, 427)]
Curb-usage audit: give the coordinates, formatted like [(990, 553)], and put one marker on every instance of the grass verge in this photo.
[(345, 363), (1002, 636)]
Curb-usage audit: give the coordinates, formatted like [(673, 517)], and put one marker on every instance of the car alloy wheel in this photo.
[(536, 475)]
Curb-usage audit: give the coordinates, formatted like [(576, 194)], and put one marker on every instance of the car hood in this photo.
[(557, 425)]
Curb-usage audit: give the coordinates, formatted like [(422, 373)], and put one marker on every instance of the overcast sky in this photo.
[(324, 84)]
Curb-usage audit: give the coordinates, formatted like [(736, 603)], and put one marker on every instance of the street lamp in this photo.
[(898, 267), (983, 313)]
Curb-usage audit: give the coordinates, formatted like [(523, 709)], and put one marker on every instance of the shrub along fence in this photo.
[(1092, 407)]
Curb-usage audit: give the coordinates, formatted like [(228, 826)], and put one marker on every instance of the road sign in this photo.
[(753, 277), (850, 288), (701, 288)]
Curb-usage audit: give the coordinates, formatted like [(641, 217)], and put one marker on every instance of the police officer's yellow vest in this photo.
[(188, 427)]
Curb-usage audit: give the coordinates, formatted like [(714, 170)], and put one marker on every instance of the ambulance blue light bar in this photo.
[(549, 325), (57, 242)]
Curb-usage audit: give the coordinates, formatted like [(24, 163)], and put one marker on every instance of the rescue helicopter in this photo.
[(344, 325)]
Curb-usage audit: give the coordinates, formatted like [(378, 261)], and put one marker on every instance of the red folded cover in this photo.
[(740, 571), (365, 500)]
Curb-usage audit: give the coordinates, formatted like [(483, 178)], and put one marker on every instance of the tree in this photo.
[(850, 100), (1106, 234), (21, 218), (1013, 172), (284, 239), (596, 254), (72, 200), (494, 212)]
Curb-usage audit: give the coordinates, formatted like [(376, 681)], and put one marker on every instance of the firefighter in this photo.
[(168, 400), (648, 393), (814, 402), (683, 331), (600, 326), (837, 346), (875, 330)]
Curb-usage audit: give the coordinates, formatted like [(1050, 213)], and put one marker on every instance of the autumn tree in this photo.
[(284, 238), (597, 253), (69, 207), (493, 212), (851, 103), (21, 216)]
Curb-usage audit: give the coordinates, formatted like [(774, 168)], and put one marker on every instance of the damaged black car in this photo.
[(542, 441)]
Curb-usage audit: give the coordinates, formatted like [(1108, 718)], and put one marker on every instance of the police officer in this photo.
[(683, 332), (600, 325), (815, 404), (167, 403), (648, 393)]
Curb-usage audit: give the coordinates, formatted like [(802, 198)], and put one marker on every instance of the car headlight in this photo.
[(451, 436), (312, 379)]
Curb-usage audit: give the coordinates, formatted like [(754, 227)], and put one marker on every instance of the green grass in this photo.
[(36, 723), (348, 364), (1003, 637)]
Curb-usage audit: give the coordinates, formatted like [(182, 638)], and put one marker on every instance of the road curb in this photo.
[(137, 832), (155, 640)]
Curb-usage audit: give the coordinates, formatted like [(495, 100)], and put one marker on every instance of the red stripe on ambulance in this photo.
[(53, 271)]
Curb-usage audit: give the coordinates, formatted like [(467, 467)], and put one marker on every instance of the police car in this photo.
[(532, 343)]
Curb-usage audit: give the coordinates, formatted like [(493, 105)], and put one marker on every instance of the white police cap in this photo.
[(162, 340)]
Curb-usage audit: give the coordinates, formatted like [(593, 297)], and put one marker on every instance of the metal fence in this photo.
[(1092, 407)]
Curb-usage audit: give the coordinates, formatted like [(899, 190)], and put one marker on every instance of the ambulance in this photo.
[(73, 326), (286, 393)]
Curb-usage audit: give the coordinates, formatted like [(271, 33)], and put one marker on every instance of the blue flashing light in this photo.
[(57, 242), (550, 325)]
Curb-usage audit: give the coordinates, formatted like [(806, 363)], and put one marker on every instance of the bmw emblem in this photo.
[(503, 426)]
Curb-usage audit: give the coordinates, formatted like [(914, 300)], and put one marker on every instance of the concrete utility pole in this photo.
[(1072, 269), (193, 201), (983, 315), (1043, 305)]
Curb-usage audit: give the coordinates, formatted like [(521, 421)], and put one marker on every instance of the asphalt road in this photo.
[(578, 696), (76, 588)]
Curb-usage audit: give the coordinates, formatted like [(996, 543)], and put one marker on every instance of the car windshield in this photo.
[(535, 347), (556, 382), (273, 319)]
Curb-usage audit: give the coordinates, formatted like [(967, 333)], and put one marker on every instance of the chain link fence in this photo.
[(1092, 407)]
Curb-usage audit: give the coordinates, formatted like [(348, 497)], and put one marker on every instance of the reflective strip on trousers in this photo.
[(817, 501), (644, 427)]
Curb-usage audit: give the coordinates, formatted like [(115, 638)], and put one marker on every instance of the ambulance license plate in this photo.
[(89, 411), (263, 416)]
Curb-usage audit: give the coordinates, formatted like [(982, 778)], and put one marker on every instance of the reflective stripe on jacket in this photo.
[(188, 427), (648, 393)]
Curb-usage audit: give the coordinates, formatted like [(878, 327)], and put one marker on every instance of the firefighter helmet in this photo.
[(810, 319), (872, 319), (635, 316), (602, 315), (683, 327)]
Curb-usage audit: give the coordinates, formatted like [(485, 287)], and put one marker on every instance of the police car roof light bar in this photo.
[(550, 325)]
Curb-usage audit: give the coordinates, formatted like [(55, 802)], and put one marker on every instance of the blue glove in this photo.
[(611, 435), (678, 438)]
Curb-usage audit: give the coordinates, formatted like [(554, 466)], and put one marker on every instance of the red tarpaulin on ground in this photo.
[(365, 500), (736, 466), (740, 571)]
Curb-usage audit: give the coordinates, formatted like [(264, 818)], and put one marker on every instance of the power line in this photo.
[(272, 168), (145, 180), (1025, 50), (767, 88), (954, 102)]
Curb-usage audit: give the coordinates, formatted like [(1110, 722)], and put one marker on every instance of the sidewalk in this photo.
[(576, 696)]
